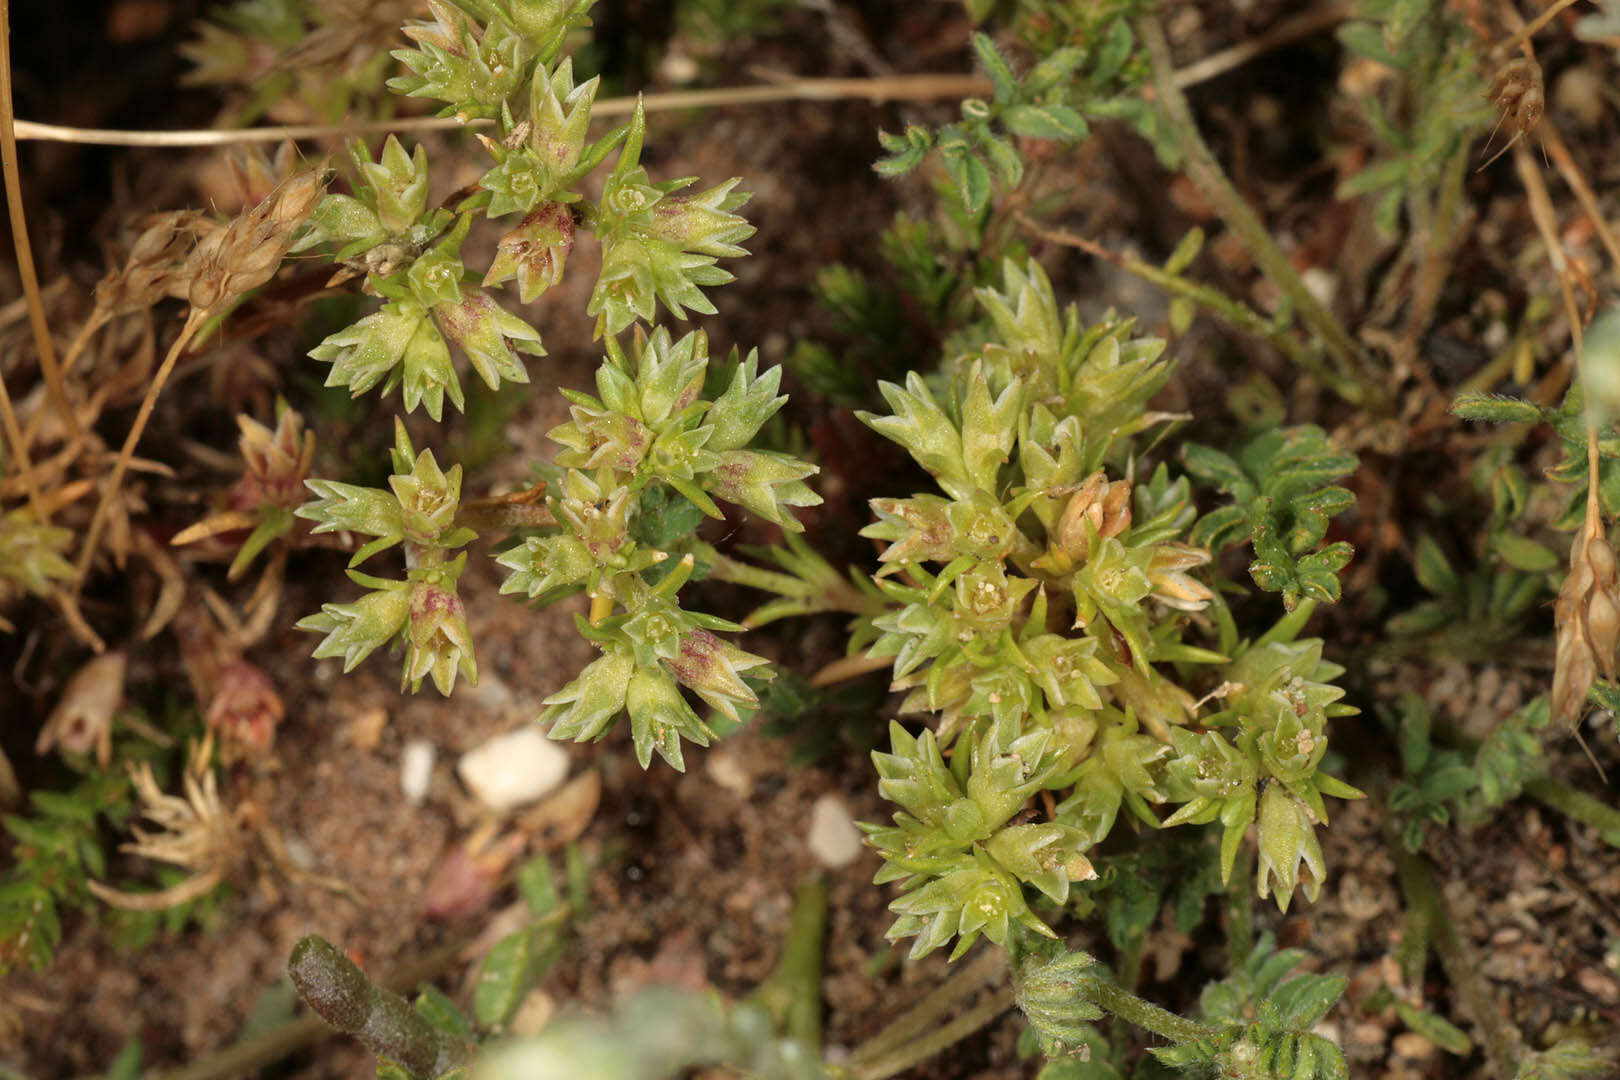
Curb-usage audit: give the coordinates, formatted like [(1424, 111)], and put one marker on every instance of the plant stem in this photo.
[(19, 237), (792, 994), (725, 568), (922, 87), (990, 964), (1525, 32), (1360, 384), (99, 520), (1497, 1033), (293, 1036), (1240, 909), (1120, 1002), (941, 1038), (1578, 805), (1235, 314)]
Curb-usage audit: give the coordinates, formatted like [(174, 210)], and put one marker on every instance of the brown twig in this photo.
[(893, 88), (98, 522), (923, 87), (1348, 358), (19, 233), (1530, 28), (1576, 179)]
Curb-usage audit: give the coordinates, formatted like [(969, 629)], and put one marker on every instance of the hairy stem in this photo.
[(1353, 368), (792, 994), (1498, 1035), (274, 1045), (336, 989), (1118, 1001), (1577, 805), (1235, 314)]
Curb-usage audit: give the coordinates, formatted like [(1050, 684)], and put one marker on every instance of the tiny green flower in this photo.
[(437, 641), (535, 252), (660, 718), (354, 630), (711, 668), (481, 328), (584, 709), (1287, 839)]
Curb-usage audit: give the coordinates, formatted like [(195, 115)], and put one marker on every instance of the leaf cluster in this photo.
[(1039, 608), (1442, 784), (1266, 1017), (979, 151), (1427, 116), (1281, 483), (643, 462)]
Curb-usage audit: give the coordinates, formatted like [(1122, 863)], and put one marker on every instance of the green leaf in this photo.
[(1436, 1028), (443, 1014), (510, 971), (1496, 408), (1433, 569), (1002, 81), (1045, 122), (1522, 553)]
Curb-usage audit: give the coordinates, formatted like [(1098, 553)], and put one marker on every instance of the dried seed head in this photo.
[(244, 712), (277, 462), (155, 266), (1603, 629), (1600, 556), (1576, 670), (247, 252), (1587, 615), (1104, 505), (1518, 94)]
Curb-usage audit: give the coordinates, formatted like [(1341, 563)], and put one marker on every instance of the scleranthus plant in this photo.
[(1046, 607), (642, 462)]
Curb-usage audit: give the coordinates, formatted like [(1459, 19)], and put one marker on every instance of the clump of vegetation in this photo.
[(1116, 647)]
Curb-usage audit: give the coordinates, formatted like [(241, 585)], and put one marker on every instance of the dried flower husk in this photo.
[(1587, 616), (1103, 504), (246, 253), (82, 719)]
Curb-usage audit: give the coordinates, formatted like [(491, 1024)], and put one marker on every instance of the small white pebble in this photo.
[(416, 770), (298, 851), (513, 769), (725, 770), (834, 840), (1320, 283), (679, 68)]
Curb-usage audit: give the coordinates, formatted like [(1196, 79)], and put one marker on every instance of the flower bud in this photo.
[(244, 711), (1287, 839), (437, 639), (709, 666), (535, 252), (82, 719)]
